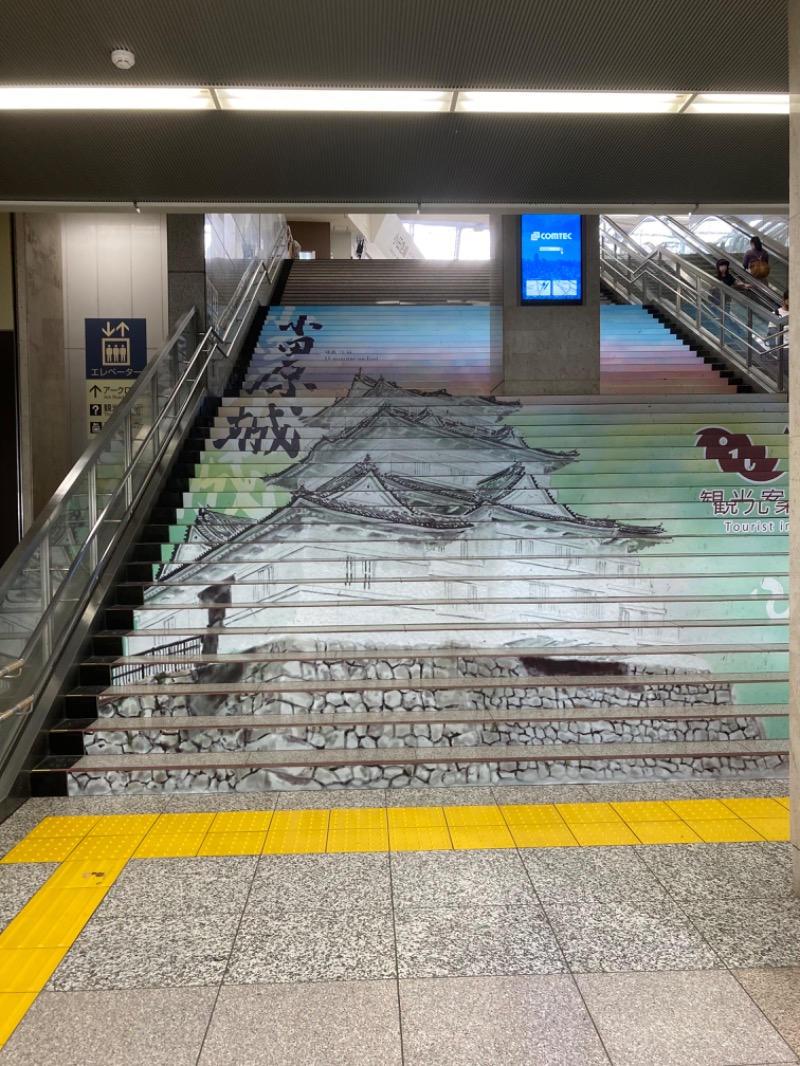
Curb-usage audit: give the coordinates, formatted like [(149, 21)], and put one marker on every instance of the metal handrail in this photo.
[(88, 565), (776, 251), (670, 282), (12, 669)]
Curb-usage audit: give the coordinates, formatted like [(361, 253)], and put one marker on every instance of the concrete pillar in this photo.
[(9, 432), (186, 267), (550, 350), (794, 437)]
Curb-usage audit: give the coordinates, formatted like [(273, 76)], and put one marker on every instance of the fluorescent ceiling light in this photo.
[(334, 100), (741, 103), (127, 98), (563, 103)]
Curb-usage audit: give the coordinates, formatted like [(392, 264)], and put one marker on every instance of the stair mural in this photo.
[(396, 586)]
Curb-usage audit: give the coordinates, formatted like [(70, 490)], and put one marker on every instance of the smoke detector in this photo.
[(122, 58)]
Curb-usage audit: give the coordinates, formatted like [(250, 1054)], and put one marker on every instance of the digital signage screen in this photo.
[(552, 263)]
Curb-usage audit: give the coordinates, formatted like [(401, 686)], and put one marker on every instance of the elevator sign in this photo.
[(116, 353), (552, 263)]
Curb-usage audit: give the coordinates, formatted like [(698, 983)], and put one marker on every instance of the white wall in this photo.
[(114, 265)]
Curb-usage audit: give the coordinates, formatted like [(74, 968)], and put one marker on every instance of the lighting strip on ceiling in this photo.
[(383, 101)]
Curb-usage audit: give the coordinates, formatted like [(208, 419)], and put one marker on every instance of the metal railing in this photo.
[(732, 325), (47, 585)]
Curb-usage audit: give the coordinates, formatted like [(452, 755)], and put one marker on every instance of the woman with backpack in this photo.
[(756, 259)]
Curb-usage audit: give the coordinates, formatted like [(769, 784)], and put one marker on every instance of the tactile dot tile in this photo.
[(299, 821), (724, 830), (358, 840), (784, 801), (51, 919), (416, 818), (533, 814), (587, 813), (474, 816), (64, 825), (232, 844), (755, 808), (175, 845), (703, 810), (45, 849), (346, 819), (653, 811), (665, 832), (300, 841), (86, 874), (13, 1008), (28, 969), (596, 833), (123, 825), (183, 823), (771, 828), (241, 822), (419, 838), (481, 836), (113, 847), (543, 836)]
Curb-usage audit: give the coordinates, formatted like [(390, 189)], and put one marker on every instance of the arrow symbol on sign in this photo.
[(107, 332), (123, 329), (94, 391)]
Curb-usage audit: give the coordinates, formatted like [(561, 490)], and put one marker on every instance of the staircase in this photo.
[(386, 281), (357, 583), (640, 355)]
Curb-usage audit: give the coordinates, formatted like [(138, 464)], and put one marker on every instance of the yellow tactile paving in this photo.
[(300, 821), (783, 800), (123, 825), (480, 836), (587, 813), (241, 822), (543, 836), (183, 823), (771, 828), (42, 849), (532, 814), (295, 841), (28, 969), (702, 810), (340, 840), (64, 825), (110, 847), (232, 844), (755, 808), (474, 816), (724, 830), (652, 811), (13, 1008), (592, 834), (416, 818), (358, 818), (667, 831), (419, 838), (86, 874), (51, 919), (179, 844)]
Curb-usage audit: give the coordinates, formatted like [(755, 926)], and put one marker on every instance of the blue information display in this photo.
[(552, 265)]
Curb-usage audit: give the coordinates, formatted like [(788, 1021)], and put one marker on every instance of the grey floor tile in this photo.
[(721, 871), (750, 932), (147, 952), (777, 993), (329, 1022), (71, 805), (641, 791), (497, 1021), (455, 796), (206, 802), (160, 1027), (571, 874), (541, 794), (679, 1019), (466, 878), (325, 799), (773, 786), (18, 883), (304, 946), (475, 942), (322, 882), (606, 937), (201, 886)]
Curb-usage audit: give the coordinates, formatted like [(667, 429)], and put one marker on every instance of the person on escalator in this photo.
[(723, 276), (756, 259)]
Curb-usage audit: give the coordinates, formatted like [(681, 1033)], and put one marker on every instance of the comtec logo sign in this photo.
[(538, 236)]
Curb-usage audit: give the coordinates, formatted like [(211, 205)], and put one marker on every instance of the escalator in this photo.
[(732, 234)]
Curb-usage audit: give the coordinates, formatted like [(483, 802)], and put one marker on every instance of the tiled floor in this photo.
[(507, 926)]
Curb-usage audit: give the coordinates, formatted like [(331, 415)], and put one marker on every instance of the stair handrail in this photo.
[(775, 249), (734, 326), (45, 631)]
